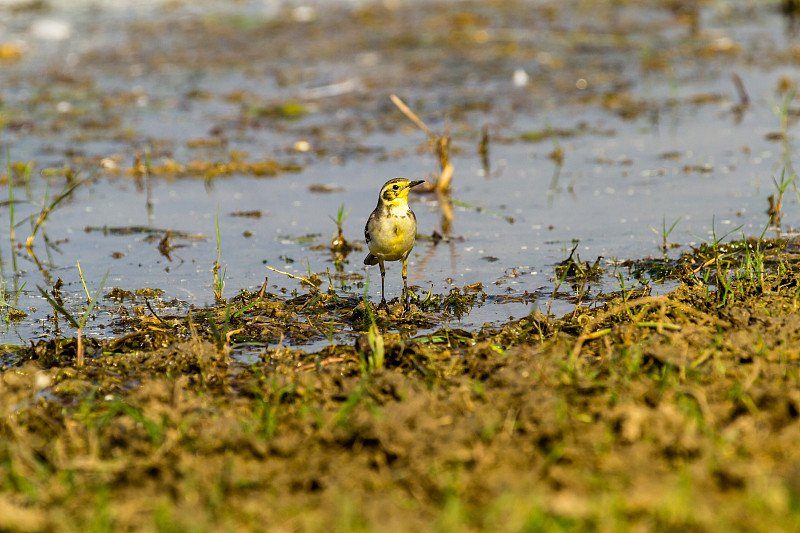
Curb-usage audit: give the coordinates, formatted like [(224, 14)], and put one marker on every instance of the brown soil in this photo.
[(675, 412)]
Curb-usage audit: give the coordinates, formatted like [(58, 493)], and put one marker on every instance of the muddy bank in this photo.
[(676, 412)]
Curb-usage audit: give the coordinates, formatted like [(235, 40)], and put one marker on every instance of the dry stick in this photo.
[(412, 116), (442, 142), (113, 343), (42, 216), (146, 301), (658, 326), (80, 348), (231, 333), (263, 288), (709, 263), (280, 345), (325, 362), (443, 151), (444, 179), (301, 278), (580, 297)]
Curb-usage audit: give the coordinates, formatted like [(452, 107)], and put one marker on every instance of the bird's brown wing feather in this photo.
[(370, 259)]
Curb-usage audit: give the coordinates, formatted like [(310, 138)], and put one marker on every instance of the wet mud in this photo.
[(672, 412)]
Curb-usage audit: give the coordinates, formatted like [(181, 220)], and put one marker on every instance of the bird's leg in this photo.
[(405, 282), (383, 279)]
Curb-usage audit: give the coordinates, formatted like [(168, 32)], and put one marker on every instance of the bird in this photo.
[(391, 230)]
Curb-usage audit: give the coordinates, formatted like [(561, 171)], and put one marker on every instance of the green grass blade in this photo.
[(10, 191), (93, 301), (57, 307)]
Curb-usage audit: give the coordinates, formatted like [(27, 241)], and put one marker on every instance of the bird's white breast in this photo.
[(393, 240)]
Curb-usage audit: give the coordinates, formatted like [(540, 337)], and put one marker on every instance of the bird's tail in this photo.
[(370, 260)]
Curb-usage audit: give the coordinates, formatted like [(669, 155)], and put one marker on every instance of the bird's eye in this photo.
[(396, 187)]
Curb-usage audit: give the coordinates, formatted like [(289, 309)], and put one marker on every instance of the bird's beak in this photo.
[(415, 183)]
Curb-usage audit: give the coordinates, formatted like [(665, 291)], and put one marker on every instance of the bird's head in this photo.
[(395, 191)]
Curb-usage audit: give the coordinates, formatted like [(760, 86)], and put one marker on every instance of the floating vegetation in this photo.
[(213, 169), (285, 110), (547, 134), (573, 269)]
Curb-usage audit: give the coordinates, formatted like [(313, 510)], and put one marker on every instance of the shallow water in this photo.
[(646, 113)]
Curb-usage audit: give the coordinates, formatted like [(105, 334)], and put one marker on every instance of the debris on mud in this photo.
[(672, 411)]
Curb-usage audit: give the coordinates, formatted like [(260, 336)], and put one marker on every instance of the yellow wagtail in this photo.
[(391, 230)]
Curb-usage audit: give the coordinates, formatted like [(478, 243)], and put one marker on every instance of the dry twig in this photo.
[(441, 144)]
